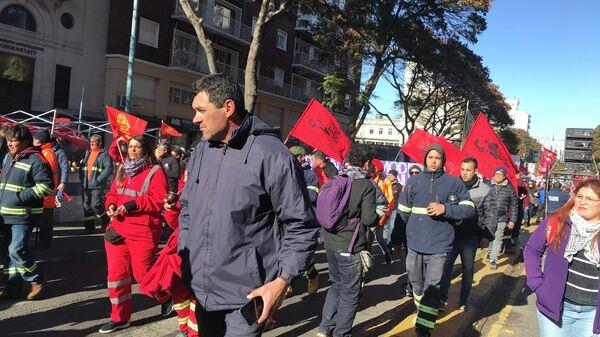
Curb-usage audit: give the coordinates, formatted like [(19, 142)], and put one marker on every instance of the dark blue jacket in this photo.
[(102, 170), (245, 218), (63, 164), (312, 183), (556, 199), (24, 182)]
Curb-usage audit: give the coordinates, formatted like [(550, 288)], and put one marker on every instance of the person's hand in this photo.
[(271, 293), (166, 205), (435, 209), (121, 210), (511, 225), (484, 243), (110, 212), (60, 187)]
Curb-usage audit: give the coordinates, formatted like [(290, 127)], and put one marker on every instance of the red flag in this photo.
[(318, 128), (166, 129), (484, 145), (546, 161), (418, 142), (124, 124)]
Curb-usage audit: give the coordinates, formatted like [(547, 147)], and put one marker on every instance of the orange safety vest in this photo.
[(48, 152)]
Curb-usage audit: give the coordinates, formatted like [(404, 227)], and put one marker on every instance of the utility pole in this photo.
[(132, 44)]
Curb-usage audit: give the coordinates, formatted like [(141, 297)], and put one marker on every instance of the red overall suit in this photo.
[(140, 227), (163, 280)]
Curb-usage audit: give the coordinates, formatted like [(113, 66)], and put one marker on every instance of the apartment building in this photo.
[(169, 58)]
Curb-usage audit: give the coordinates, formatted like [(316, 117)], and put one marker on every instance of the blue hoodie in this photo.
[(245, 218), (434, 235)]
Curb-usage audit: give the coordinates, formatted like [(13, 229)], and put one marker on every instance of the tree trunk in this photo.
[(206, 43)]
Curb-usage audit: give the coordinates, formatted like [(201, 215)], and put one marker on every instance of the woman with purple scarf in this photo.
[(567, 286)]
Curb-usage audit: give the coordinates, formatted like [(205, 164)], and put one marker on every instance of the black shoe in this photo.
[(112, 326), (166, 308), (493, 265), (388, 258), (409, 294)]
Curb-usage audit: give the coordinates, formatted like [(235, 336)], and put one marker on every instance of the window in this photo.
[(62, 85), (66, 20), (18, 16), (225, 18), (180, 96), (278, 77), (144, 87), (281, 40), (381, 131), (370, 131), (389, 132), (149, 33)]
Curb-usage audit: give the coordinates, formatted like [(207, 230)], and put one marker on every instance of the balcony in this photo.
[(313, 63), (306, 22), (181, 58), (217, 21)]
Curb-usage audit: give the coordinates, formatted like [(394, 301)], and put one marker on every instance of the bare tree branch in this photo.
[(206, 43)]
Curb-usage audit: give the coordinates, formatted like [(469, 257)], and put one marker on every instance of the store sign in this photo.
[(16, 68), (183, 124), (20, 47)]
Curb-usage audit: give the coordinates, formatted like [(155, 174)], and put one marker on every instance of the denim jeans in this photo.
[(531, 212), (496, 245), (15, 252), (466, 248), (377, 234), (576, 320), (341, 303), (389, 228)]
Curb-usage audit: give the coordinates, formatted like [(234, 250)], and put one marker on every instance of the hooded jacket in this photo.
[(26, 179), (102, 170), (503, 200), (475, 225), (246, 216), (433, 235)]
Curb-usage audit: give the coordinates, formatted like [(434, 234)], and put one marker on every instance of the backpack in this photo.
[(332, 207)]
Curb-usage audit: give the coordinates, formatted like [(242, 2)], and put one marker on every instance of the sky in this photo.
[(548, 54)]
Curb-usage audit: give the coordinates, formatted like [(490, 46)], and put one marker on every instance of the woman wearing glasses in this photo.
[(567, 287)]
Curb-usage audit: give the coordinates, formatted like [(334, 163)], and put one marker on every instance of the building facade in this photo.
[(169, 59), (380, 131), (521, 118), (49, 51)]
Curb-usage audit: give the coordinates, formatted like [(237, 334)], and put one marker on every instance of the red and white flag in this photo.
[(546, 161)]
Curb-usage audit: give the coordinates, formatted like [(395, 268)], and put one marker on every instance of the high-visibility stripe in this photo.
[(404, 209), (118, 283), (182, 305), (193, 306), (20, 270), (192, 325), (145, 185), (467, 202), (129, 192), (100, 215), (12, 188), (428, 310), (425, 323), (314, 188), (41, 190), (419, 210), (20, 210), (121, 299), (97, 169), (91, 217), (22, 166), (182, 321)]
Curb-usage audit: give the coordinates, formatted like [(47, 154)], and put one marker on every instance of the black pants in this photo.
[(466, 248), (46, 227), (227, 323), (93, 208), (517, 229)]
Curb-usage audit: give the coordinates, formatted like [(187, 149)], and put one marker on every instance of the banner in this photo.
[(124, 124), (546, 161), (166, 129), (61, 131), (318, 128), (418, 142), (484, 145)]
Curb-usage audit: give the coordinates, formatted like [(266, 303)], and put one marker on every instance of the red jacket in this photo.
[(143, 219)]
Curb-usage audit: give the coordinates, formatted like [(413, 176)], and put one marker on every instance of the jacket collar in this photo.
[(504, 183)]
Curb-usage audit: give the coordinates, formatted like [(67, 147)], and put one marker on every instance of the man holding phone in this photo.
[(246, 224)]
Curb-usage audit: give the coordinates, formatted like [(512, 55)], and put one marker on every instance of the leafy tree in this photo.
[(596, 143), (527, 144), (269, 9), (510, 139)]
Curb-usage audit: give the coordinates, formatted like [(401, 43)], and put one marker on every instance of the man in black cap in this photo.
[(431, 204)]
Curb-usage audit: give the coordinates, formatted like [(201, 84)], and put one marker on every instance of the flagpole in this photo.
[(81, 107), (464, 135), (131, 59)]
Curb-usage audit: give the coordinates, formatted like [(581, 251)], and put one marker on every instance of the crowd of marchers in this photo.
[(244, 216)]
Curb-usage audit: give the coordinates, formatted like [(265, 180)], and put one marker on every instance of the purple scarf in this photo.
[(133, 167)]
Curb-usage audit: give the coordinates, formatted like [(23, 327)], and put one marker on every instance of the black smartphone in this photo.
[(252, 310)]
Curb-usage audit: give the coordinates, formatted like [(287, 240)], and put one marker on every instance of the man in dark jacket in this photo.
[(246, 224), (95, 173), (430, 204), (3, 146), (25, 180), (312, 185), (63, 164), (556, 198), (503, 199), (468, 233), (170, 164), (343, 255)]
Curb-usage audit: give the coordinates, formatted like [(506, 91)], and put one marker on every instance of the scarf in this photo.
[(471, 182), (133, 167), (583, 235), (354, 173)]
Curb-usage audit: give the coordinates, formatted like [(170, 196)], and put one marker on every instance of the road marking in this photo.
[(498, 326)]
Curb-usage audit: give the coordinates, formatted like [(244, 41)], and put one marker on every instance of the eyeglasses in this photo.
[(585, 200), (412, 173)]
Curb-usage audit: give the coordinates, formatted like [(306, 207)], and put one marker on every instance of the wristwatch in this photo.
[(286, 277)]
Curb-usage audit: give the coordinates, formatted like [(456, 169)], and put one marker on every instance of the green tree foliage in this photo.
[(366, 37), (527, 144), (510, 139), (596, 144)]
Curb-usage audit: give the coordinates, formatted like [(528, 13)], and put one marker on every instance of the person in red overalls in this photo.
[(132, 237)]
